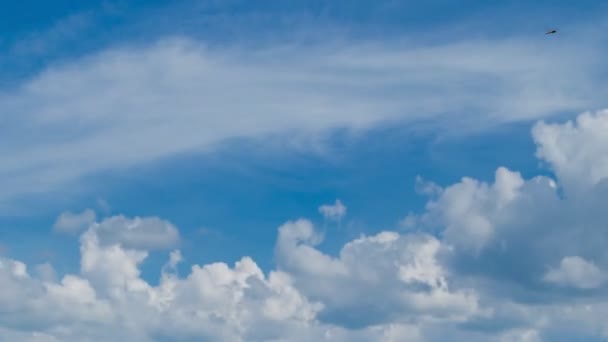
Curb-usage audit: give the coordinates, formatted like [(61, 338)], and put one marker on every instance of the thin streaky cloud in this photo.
[(127, 106)]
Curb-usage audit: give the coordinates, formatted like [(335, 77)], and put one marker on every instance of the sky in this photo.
[(303, 170)]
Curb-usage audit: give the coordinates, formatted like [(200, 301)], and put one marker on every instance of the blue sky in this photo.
[(229, 119)]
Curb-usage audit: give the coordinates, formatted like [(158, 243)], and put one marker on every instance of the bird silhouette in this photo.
[(551, 32)]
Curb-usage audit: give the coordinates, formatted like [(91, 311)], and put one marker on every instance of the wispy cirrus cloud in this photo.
[(131, 105)]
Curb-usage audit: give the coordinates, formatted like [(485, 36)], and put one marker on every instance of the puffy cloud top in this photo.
[(576, 150), (513, 259)]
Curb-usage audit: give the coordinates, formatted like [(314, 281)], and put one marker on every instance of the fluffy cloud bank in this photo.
[(511, 260), (109, 300)]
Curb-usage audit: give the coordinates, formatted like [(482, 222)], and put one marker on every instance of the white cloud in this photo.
[(521, 335), (334, 212), (503, 235), (295, 248), (515, 260), (140, 233), (214, 301), (109, 300), (71, 223), (375, 278), (466, 209), (46, 272), (427, 188), (532, 214), (116, 108), (577, 272), (576, 150)]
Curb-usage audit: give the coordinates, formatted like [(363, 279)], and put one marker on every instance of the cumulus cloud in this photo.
[(465, 210), (334, 212), (577, 272), (576, 150), (109, 300), (72, 223), (514, 259), (427, 188), (139, 233), (531, 239), (376, 278)]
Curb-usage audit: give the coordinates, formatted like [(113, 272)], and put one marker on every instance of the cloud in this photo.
[(577, 272), (513, 259), (46, 272), (465, 210), (148, 233), (334, 212), (135, 104), (575, 150), (427, 188), (521, 335), (513, 216), (70, 223), (537, 240), (108, 299), (376, 278)]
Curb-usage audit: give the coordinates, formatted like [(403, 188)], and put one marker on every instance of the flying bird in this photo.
[(551, 32)]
